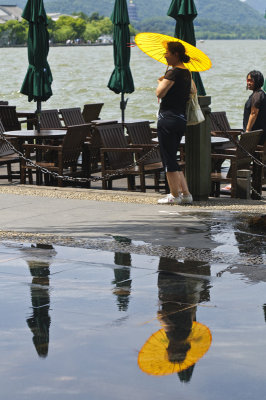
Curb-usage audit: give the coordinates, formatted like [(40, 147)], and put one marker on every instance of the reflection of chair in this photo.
[(72, 116), (92, 111), (50, 120), (8, 157), (239, 159), (67, 154), (117, 154)]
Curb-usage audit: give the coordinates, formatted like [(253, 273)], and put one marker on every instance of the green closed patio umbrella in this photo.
[(121, 80), (184, 12), (38, 79)]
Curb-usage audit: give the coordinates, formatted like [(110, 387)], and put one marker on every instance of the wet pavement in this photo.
[(99, 305)]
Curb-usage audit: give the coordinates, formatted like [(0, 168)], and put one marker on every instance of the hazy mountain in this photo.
[(259, 5), (227, 11)]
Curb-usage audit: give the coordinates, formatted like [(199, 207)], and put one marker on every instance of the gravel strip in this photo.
[(203, 255)]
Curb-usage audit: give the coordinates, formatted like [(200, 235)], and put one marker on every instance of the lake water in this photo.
[(81, 75)]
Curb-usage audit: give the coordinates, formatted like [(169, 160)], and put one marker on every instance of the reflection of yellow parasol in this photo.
[(154, 356), (155, 44)]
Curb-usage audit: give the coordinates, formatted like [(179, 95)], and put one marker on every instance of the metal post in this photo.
[(38, 115), (198, 154), (243, 184)]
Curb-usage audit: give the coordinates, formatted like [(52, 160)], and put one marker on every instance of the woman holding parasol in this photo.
[(173, 90)]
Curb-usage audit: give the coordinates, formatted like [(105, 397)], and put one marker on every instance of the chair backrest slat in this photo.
[(219, 121), (9, 118), (50, 119), (91, 111), (249, 141), (112, 136), (4, 148), (72, 116), (141, 133), (73, 141)]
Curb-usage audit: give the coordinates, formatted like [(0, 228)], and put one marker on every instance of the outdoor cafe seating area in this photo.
[(77, 143)]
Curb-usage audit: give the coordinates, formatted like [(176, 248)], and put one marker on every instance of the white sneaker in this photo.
[(187, 199), (170, 199)]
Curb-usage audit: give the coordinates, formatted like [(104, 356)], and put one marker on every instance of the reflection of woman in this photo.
[(173, 90), (255, 107), (182, 341)]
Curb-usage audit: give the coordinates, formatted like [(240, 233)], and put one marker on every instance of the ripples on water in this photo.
[(81, 75)]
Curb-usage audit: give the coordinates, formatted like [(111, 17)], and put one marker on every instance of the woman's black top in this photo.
[(256, 99), (178, 95)]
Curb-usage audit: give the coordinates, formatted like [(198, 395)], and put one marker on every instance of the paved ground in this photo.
[(87, 214)]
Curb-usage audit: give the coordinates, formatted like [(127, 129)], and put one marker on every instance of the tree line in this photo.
[(79, 27), (83, 28)]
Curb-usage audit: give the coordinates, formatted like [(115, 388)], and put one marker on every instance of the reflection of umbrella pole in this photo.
[(38, 114), (123, 104)]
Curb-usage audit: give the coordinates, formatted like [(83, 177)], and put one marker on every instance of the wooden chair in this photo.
[(9, 118), (50, 120), (117, 154), (8, 157), (220, 125), (239, 159), (91, 111), (72, 116), (68, 154), (141, 134)]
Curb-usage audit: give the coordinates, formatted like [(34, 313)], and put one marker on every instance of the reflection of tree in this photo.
[(122, 279), (178, 295), (39, 322)]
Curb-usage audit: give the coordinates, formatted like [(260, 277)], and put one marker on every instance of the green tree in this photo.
[(95, 17), (63, 34), (16, 31), (104, 25), (81, 15), (75, 26), (91, 33)]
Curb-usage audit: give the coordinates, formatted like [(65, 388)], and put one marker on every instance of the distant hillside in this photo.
[(259, 5), (230, 12)]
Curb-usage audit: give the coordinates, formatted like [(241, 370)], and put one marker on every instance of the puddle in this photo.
[(81, 323)]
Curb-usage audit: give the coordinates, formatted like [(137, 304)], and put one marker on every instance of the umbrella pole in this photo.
[(123, 104), (38, 115)]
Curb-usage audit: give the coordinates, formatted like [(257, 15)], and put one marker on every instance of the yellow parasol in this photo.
[(154, 359), (155, 45)]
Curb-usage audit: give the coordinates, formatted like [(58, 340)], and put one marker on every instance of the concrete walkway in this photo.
[(86, 214)]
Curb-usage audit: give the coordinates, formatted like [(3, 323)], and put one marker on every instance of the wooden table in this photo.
[(29, 135)]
